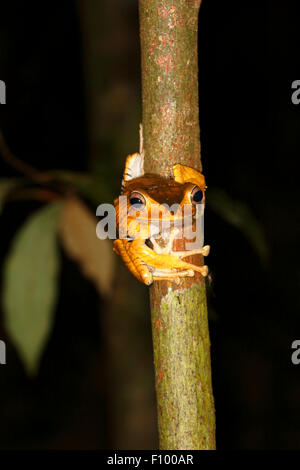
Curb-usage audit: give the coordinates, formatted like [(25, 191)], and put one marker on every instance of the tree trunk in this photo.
[(168, 31)]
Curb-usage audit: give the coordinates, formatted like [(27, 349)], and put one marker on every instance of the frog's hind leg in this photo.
[(203, 270), (165, 273), (166, 261), (178, 263), (136, 266), (145, 274), (173, 276)]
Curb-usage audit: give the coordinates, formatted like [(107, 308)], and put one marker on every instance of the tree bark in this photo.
[(185, 405)]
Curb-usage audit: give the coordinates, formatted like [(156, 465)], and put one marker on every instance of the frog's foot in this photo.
[(204, 270), (169, 275), (175, 276), (201, 251)]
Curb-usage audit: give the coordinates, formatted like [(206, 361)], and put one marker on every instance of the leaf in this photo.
[(30, 285), (79, 239), (239, 215)]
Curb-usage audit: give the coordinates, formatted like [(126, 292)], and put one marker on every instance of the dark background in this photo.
[(95, 386)]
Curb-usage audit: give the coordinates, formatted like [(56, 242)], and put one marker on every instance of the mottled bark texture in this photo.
[(168, 30)]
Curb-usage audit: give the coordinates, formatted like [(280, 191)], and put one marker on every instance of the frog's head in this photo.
[(153, 204)]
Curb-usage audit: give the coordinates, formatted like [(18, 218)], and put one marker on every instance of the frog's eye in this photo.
[(137, 199), (196, 195)]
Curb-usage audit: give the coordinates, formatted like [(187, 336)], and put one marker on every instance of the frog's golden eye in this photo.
[(137, 199), (196, 195)]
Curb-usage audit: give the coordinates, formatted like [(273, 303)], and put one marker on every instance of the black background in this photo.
[(248, 59)]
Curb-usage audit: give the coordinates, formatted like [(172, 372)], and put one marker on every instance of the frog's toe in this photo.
[(147, 278), (205, 250)]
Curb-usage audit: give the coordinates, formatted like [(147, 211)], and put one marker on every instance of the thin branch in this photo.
[(37, 194), (22, 167)]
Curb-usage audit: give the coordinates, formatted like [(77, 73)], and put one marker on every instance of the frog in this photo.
[(149, 224)]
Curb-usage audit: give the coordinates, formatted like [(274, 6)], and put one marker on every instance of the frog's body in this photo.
[(148, 253)]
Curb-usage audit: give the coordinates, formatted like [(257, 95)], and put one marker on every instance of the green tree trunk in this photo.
[(185, 405)]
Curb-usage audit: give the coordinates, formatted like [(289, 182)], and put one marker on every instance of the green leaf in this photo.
[(238, 214), (30, 285)]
